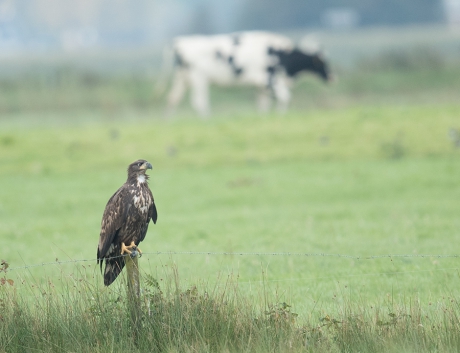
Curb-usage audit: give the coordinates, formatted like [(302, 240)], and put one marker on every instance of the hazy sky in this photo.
[(74, 24)]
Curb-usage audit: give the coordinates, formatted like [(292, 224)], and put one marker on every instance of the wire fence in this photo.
[(259, 254), (251, 281)]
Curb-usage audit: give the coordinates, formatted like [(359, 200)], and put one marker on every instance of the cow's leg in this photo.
[(177, 91), (199, 93), (264, 100), (282, 94)]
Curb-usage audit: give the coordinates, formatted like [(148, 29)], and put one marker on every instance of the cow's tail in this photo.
[(167, 67)]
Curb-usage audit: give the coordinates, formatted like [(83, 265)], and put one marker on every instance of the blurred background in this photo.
[(62, 54)]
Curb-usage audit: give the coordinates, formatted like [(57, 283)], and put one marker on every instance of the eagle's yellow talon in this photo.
[(125, 249), (128, 249)]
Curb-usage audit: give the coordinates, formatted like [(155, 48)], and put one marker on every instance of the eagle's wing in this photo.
[(153, 214), (114, 217)]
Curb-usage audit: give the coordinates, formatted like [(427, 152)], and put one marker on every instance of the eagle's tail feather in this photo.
[(99, 259), (113, 268)]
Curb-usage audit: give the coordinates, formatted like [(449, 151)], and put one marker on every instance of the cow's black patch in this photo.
[(178, 60), (295, 61), (237, 71), (219, 55)]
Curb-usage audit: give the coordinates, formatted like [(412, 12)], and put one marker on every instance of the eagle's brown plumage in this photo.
[(126, 219)]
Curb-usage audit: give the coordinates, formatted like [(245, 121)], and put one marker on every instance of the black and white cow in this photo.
[(265, 60)]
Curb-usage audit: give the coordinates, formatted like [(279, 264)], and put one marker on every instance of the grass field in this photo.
[(368, 171), (362, 181)]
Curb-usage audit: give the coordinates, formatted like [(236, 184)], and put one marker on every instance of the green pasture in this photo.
[(345, 208), (361, 181)]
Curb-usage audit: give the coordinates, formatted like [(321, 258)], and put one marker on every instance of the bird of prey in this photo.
[(125, 221)]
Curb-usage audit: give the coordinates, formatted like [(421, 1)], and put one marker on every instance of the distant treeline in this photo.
[(276, 14)]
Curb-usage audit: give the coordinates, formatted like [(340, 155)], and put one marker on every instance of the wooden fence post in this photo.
[(132, 274)]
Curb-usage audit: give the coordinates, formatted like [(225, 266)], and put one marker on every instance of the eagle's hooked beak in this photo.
[(146, 166)]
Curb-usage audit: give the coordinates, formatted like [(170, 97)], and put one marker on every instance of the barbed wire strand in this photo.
[(220, 253), (306, 279), (278, 280)]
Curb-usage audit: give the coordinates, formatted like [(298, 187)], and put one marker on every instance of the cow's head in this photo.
[(296, 60), (318, 65)]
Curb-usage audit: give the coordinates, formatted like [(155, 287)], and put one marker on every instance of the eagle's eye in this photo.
[(139, 164)]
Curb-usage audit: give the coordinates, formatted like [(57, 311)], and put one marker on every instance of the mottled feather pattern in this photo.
[(126, 219)]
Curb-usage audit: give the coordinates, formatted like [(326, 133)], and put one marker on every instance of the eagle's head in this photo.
[(137, 169)]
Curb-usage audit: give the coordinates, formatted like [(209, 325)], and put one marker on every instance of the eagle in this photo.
[(125, 221)]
